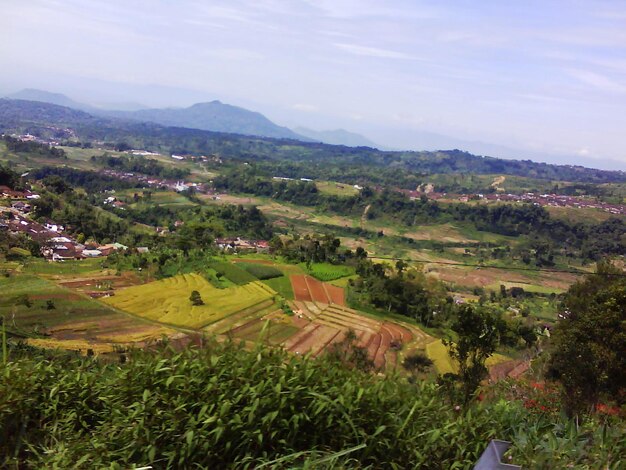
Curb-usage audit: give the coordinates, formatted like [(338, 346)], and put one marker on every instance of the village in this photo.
[(58, 245), (55, 243), (544, 200)]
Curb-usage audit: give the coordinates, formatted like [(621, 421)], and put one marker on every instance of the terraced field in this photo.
[(72, 320), (167, 301)]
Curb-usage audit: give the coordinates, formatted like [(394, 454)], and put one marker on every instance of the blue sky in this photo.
[(541, 77)]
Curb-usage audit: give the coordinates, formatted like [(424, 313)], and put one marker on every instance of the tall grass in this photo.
[(226, 407)]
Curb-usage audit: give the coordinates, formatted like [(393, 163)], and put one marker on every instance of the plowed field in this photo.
[(307, 288)]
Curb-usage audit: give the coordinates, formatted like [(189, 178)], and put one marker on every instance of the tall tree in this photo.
[(588, 356), (477, 340)]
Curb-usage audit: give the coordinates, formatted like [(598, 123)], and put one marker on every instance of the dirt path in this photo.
[(364, 216), (497, 181)]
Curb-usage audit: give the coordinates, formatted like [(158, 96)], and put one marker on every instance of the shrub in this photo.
[(226, 407), (417, 362)]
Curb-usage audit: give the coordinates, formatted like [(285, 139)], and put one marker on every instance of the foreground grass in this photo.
[(225, 407)]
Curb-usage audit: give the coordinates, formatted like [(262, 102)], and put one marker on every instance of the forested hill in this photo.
[(48, 120), (214, 116)]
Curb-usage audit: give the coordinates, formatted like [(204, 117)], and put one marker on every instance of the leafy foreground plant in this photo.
[(225, 407)]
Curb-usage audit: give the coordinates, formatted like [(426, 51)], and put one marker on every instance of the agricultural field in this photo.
[(232, 272), (262, 271), (462, 277), (279, 280), (306, 288), (39, 266), (168, 301), (336, 189), (169, 198), (44, 312), (438, 353), (580, 214), (327, 271)]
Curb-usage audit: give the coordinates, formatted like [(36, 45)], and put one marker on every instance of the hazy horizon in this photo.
[(540, 81)]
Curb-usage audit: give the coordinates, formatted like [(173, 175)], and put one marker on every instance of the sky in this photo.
[(539, 79)]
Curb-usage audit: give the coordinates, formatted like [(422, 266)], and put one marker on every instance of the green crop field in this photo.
[(336, 189), (261, 271), (282, 285), (327, 271), (233, 273), (41, 266), (167, 301)]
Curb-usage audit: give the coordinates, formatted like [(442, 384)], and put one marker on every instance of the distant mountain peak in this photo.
[(337, 137), (213, 116), (33, 94)]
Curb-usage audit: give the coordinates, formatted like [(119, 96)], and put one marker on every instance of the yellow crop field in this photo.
[(438, 352), (167, 301), (71, 345)]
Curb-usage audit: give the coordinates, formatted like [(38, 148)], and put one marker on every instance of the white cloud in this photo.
[(233, 54), (373, 52), (309, 108), (600, 82)]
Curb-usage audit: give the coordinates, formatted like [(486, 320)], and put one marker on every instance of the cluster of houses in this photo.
[(557, 200), (55, 244), (64, 132), (553, 200), (8, 193), (152, 182), (193, 158), (240, 245)]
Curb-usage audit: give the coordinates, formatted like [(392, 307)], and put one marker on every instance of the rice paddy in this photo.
[(168, 301)]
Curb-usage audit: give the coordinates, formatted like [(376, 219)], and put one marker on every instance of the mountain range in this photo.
[(211, 116), (56, 122)]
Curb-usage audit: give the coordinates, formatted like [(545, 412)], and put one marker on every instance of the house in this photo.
[(21, 206), (54, 227), (238, 244), (60, 240), (92, 253), (63, 251), (106, 250), (262, 246)]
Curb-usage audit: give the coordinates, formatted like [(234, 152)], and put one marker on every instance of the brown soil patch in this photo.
[(336, 294), (316, 289), (300, 288)]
